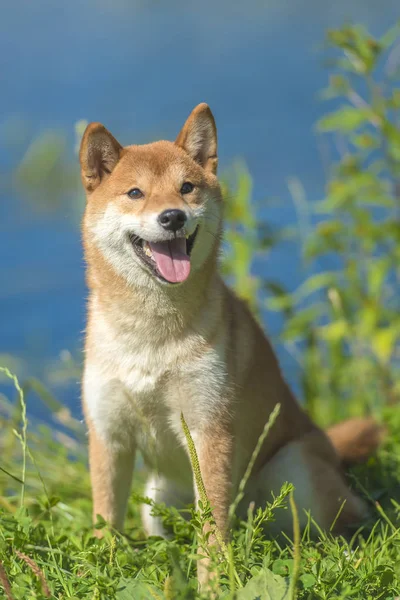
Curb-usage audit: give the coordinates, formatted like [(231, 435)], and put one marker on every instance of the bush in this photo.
[(343, 324)]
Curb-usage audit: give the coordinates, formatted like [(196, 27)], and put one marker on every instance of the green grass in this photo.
[(47, 547)]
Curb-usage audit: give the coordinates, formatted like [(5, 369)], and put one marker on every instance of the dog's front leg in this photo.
[(111, 470), (110, 422), (214, 449)]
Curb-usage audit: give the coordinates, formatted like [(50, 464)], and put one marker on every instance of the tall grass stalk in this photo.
[(194, 460), (21, 436), (267, 427), (296, 548)]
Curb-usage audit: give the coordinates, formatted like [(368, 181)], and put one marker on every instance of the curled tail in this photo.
[(356, 439)]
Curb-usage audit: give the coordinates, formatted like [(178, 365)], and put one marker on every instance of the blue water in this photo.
[(140, 67)]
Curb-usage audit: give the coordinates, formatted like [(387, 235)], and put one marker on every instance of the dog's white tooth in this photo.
[(147, 250)]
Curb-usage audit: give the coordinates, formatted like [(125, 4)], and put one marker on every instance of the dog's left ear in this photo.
[(198, 137)]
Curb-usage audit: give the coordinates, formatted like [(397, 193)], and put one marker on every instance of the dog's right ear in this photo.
[(98, 155)]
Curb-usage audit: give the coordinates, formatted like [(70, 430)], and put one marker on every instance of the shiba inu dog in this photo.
[(165, 336)]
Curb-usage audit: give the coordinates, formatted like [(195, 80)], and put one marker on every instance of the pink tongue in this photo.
[(172, 260)]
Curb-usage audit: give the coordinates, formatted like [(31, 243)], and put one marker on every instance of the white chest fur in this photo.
[(138, 382)]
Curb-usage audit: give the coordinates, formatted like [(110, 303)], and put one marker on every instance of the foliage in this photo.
[(47, 547), (343, 323)]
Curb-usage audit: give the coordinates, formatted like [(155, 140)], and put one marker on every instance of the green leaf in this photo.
[(307, 580), (314, 283), (302, 322), (265, 586), (376, 275), (390, 36), (346, 119), (335, 331), (383, 342), (129, 589), (282, 567)]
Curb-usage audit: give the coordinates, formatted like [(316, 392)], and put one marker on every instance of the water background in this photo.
[(140, 67)]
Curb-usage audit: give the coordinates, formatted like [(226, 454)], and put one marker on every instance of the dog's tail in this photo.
[(355, 440)]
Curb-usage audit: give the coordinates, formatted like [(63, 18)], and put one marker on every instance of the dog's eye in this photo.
[(135, 193), (187, 187)]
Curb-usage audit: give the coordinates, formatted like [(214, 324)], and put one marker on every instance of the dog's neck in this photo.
[(170, 307)]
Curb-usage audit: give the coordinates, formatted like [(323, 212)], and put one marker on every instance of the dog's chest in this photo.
[(146, 363), (145, 381), (155, 388), (172, 378), (155, 364)]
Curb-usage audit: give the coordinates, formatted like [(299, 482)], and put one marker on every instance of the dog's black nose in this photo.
[(172, 219)]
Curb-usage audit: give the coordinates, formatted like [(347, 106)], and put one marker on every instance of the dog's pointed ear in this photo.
[(198, 137), (98, 155)]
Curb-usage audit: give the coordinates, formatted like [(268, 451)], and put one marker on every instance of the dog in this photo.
[(165, 336)]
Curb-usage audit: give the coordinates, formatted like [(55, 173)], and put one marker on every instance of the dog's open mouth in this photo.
[(169, 260)]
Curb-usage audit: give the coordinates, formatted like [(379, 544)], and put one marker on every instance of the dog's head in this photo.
[(153, 211)]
